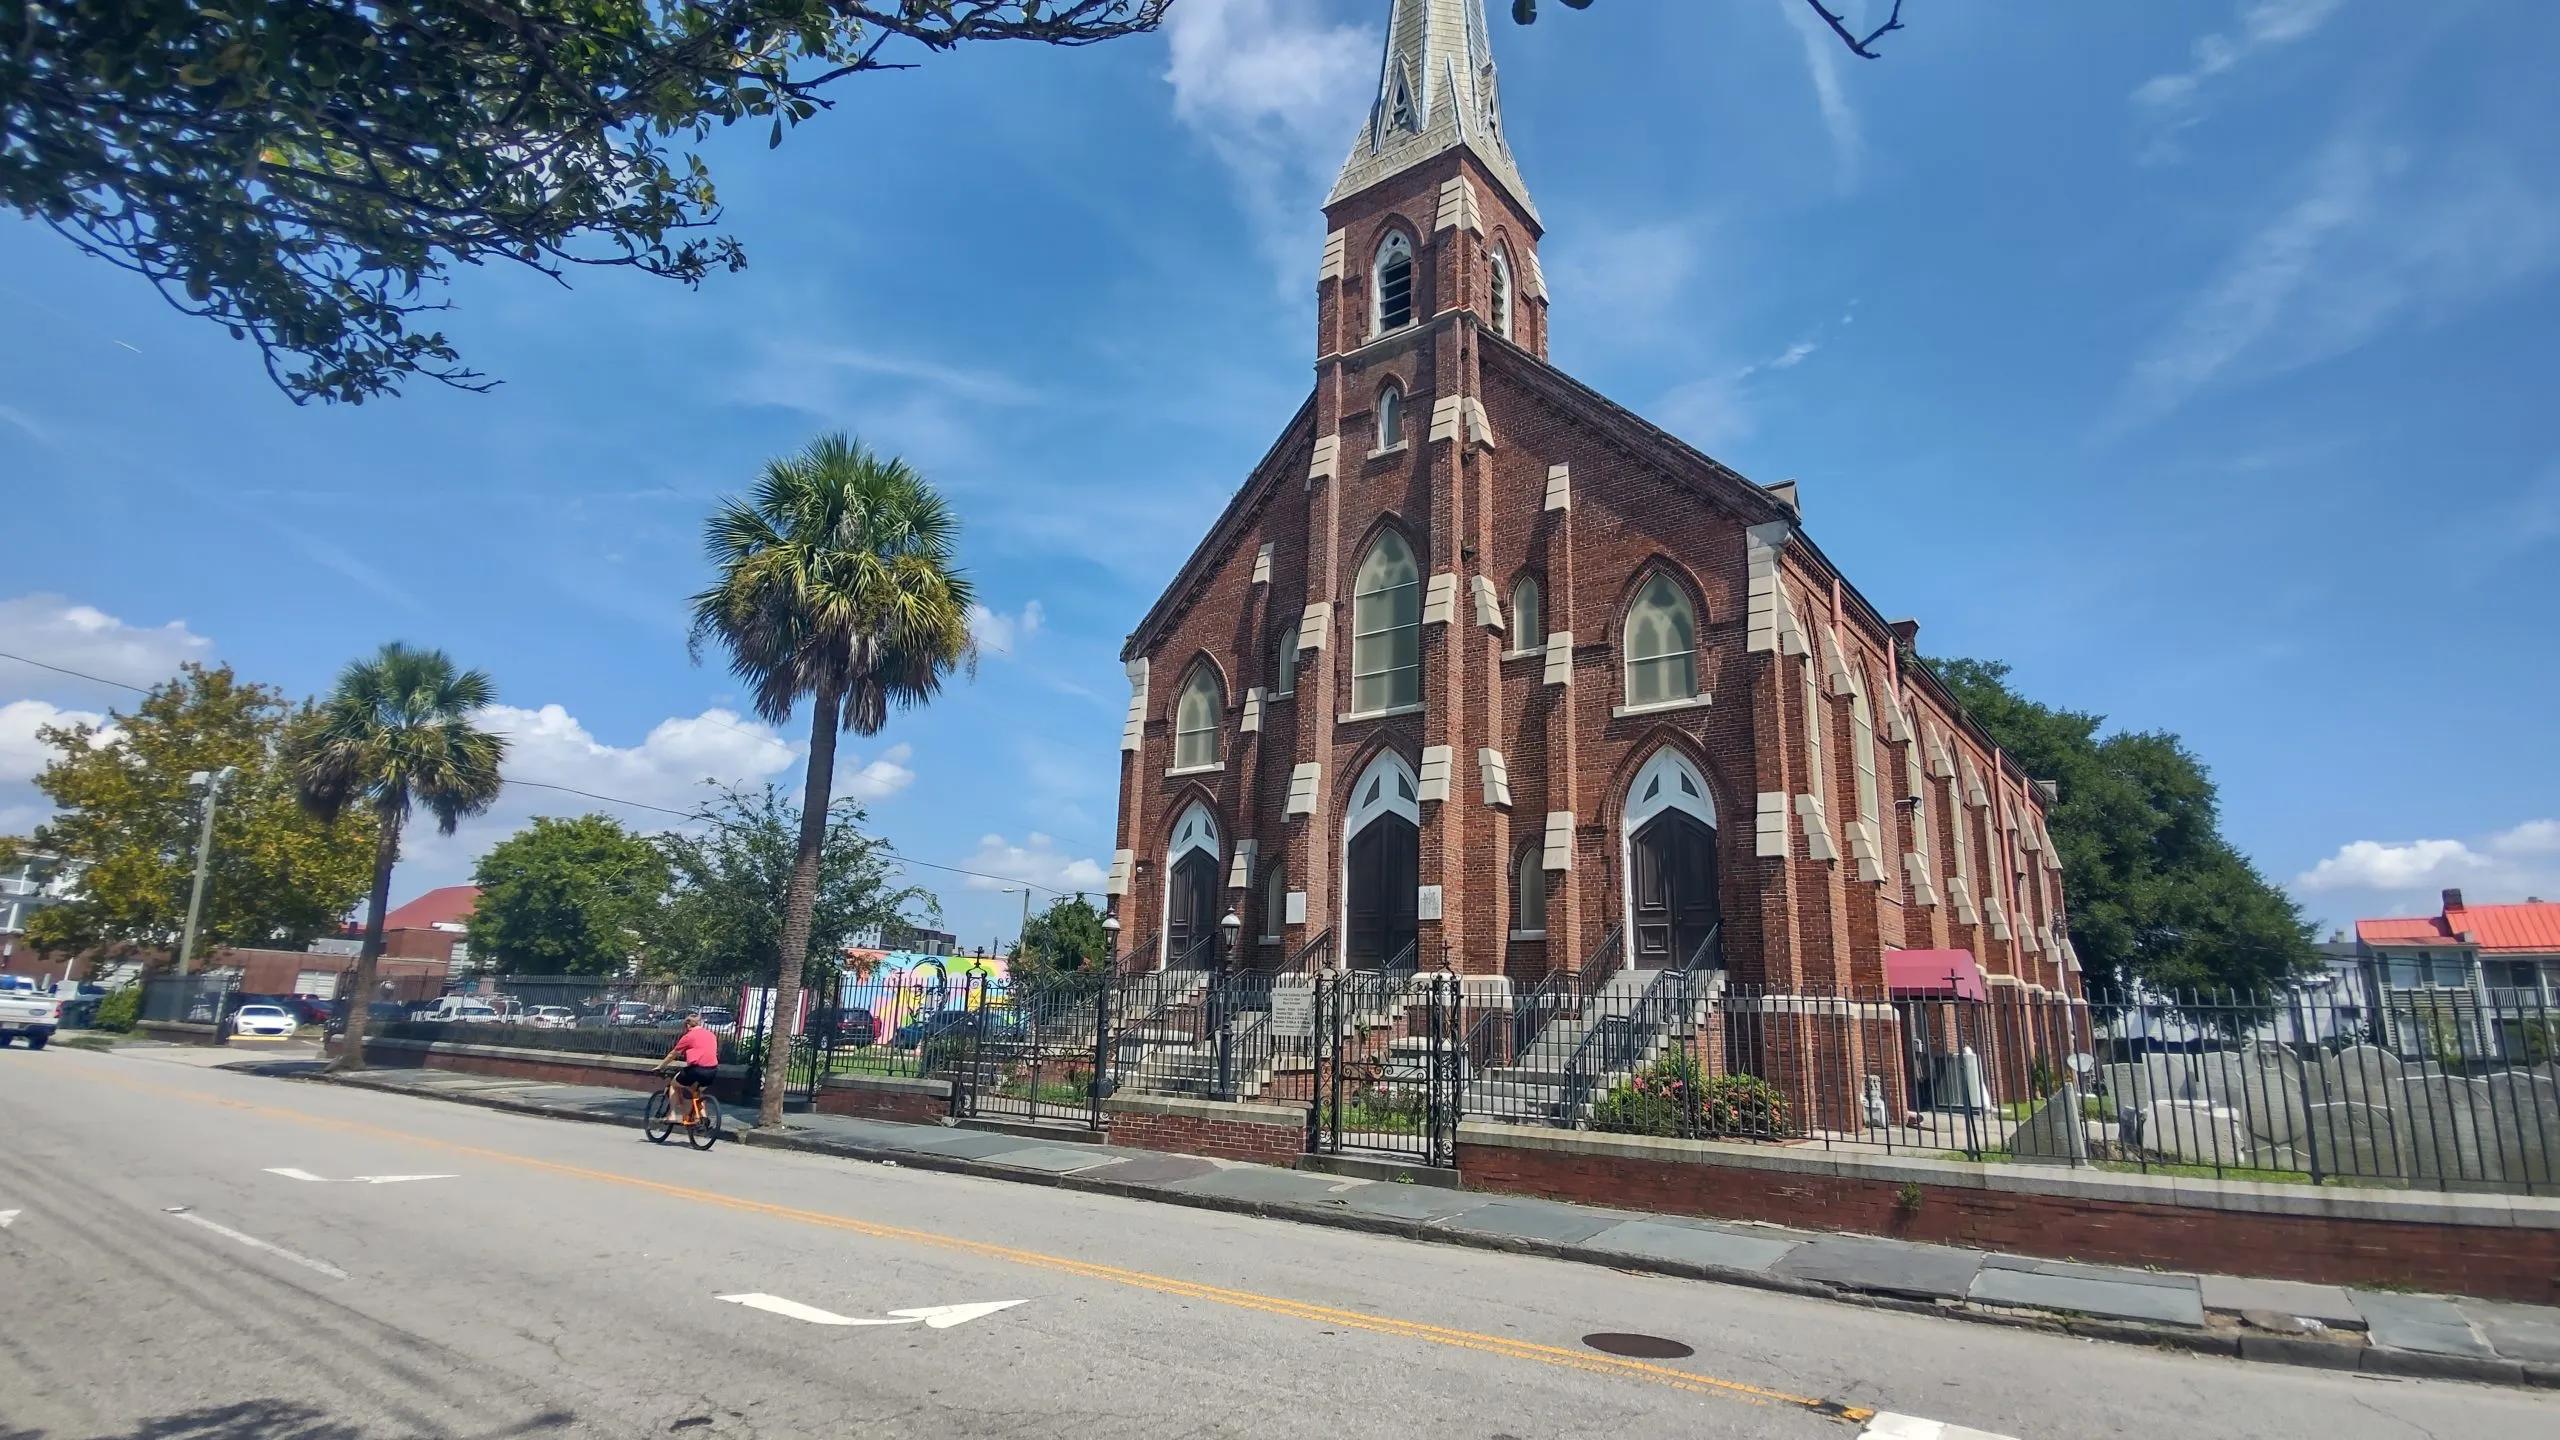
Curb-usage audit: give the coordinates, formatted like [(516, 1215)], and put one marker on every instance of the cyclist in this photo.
[(699, 1050)]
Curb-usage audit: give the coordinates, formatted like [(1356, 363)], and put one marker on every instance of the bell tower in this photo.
[(1429, 214)]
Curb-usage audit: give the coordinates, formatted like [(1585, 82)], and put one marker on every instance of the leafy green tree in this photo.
[(2155, 893), (836, 585), (395, 733), (303, 173), (730, 880), (276, 875), (1064, 939), (567, 897)]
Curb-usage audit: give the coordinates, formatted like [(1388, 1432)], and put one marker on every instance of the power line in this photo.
[(614, 799)]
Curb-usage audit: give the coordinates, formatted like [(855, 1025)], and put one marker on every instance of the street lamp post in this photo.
[(211, 782), (1231, 927)]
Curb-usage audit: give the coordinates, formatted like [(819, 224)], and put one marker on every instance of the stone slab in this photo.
[(961, 1144), (1153, 1169), (1052, 1159), (1887, 1267), (1259, 1184), (2108, 1299), (1529, 1220), (1693, 1245), (2112, 1274), (1412, 1202), (2331, 1305), (2421, 1323), (2517, 1332)]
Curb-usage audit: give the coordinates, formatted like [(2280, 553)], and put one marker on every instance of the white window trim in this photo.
[(1378, 326), (1213, 768), (1698, 701), (1351, 715), (1523, 654), (1397, 448), (1528, 934)]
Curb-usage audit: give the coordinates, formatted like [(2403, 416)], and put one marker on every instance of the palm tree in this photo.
[(395, 732), (835, 585)]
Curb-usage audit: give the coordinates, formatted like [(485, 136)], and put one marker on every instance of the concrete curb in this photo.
[(2296, 1351)]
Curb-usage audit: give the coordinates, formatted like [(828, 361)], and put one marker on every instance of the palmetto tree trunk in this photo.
[(801, 898), (386, 853)]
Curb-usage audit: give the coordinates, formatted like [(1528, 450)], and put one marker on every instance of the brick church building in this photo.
[(1481, 671)]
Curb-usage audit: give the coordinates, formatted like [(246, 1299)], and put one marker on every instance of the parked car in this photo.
[(264, 1021), (311, 1010), (33, 1016), (629, 1012), (718, 1017), (550, 1017), (850, 1025), (463, 1009)]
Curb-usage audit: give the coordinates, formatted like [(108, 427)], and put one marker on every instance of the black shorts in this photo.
[(701, 1075)]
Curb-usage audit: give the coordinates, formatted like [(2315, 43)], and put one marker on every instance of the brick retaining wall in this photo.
[(1264, 1134), (914, 1101), (562, 1068), (2504, 1247)]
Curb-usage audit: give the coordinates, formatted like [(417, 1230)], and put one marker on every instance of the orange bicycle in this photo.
[(688, 1106)]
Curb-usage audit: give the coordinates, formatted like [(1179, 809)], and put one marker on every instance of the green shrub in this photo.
[(2042, 1078), (120, 1010), (1673, 1099)]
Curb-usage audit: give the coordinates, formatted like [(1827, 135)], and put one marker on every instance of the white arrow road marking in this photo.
[(1889, 1426), (936, 1317), (290, 1173), (8, 1218), (254, 1243)]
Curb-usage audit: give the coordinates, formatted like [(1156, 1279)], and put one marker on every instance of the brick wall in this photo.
[(912, 1102), (532, 1065), (2499, 1261), (1265, 1134)]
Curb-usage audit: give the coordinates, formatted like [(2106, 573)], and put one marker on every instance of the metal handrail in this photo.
[(1200, 954), (1617, 1045), (1601, 968), (1711, 943), (1301, 963)]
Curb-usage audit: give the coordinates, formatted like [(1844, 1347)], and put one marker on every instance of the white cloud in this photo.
[(1276, 92), (1709, 413), (1822, 52), (35, 430), (53, 629), (803, 375), (2372, 235), (2405, 875), (668, 767), (1632, 269), (2168, 104), (1037, 860), (1004, 634), (22, 755), (878, 778)]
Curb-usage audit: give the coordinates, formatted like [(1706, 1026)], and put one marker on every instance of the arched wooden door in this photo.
[(1674, 873), (1191, 911), (1385, 864)]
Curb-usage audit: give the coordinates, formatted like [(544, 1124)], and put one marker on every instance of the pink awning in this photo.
[(1934, 972)]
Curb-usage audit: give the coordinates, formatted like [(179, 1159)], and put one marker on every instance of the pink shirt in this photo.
[(698, 1046)]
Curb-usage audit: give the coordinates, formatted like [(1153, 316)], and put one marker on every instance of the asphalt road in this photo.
[(161, 1281)]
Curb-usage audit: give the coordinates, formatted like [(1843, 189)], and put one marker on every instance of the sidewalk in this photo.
[(2378, 1332)]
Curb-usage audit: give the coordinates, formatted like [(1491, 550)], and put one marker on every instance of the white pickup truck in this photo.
[(33, 1016), (462, 1008)]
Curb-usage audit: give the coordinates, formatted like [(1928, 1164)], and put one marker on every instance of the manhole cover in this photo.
[(1638, 1347)]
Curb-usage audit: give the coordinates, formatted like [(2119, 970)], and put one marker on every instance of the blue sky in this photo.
[(2195, 358)]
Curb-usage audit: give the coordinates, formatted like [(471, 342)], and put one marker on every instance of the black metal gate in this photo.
[(813, 1048), (1391, 1066), (1034, 1051)]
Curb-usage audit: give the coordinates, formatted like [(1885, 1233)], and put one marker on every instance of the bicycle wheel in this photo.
[(701, 1136), (658, 1124)]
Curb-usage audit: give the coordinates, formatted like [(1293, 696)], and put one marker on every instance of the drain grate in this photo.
[(1638, 1347)]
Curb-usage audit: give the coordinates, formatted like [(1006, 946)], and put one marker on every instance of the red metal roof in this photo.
[(447, 905), (2530, 928)]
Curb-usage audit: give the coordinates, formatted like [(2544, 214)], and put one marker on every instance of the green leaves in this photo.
[(568, 897), (722, 918), (2155, 892)]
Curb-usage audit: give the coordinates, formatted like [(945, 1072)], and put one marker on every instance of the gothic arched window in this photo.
[(1528, 614), (1529, 890), (1386, 628), (1195, 721), (1501, 292), (1662, 645), (1284, 660), (1390, 416), (1393, 307)]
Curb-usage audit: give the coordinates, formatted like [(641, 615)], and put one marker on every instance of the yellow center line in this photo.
[(1585, 1361)]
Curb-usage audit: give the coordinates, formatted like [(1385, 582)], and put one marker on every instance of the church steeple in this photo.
[(1436, 93)]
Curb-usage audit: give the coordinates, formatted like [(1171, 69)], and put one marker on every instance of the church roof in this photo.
[(1436, 93)]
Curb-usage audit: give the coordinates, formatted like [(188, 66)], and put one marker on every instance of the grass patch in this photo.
[(87, 1042)]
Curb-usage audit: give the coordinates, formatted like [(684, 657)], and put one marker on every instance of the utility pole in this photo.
[(211, 782), (1025, 892)]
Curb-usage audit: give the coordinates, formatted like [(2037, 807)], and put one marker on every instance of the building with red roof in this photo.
[(2494, 969)]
